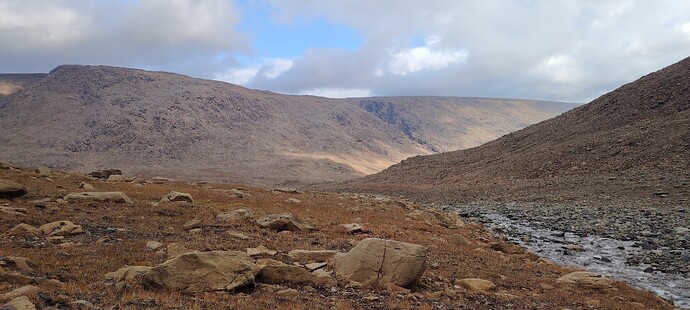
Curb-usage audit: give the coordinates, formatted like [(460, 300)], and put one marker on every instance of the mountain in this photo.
[(162, 124), (633, 141)]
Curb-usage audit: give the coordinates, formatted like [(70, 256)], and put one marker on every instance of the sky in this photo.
[(563, 50)]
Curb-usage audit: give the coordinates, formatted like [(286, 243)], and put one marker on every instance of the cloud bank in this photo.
[(568, 50)]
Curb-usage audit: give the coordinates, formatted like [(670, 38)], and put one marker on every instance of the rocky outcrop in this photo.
[(203, 271), (11, 189), (118, 197), (376, 261), (24, 230), (281, 222)]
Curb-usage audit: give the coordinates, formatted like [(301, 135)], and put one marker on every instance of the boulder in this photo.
[(376, 261), (275, 272), (19, 303), (24, 230), (235, 215), (281, 222), (476, 284), (203, 271), (586, 279), (127, 274), (308, 256), (118, 197), (105, 174), (61, 228), (10, 189)]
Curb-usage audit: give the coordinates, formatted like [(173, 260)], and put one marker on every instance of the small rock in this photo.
[(43, 171), (236, 235), (353, 228), (573, 247), (235, 215), (115, 178), (282, 222), (118, 197), (261, 250), (195, 232), (86, 186), (293, 200), (586, 279), (177, 196), (153, 245), (192, 224), (458, 239), (105, 174), (315, 266), (127, 274), (289, 292), (61, 228), (476, 284)]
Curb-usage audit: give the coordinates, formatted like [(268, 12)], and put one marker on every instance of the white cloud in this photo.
[(24, 29), (424, 58), (269, 69), (560, 68), (337, 92)]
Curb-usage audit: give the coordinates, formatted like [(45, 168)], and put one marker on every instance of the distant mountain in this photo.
[(635, 139), (156, 123)]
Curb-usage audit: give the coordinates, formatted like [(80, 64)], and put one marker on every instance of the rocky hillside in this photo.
[(155, 123), (69, 241), (634, 141), (12, 83)]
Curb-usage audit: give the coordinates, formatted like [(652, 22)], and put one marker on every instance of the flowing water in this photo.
[(602, 255)]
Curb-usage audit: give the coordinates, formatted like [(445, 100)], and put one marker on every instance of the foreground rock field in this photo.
[(72, 241)]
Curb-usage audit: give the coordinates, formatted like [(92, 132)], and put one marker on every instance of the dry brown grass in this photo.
[(82, 267)]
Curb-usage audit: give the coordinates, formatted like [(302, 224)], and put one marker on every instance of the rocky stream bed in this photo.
[(646, 247)]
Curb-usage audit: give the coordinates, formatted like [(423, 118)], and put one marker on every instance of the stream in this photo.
[(594, 253)]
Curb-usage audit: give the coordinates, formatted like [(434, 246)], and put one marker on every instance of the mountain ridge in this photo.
[(80, 117)]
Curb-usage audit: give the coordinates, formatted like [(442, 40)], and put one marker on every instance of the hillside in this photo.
[(633, 141), (162, 124)]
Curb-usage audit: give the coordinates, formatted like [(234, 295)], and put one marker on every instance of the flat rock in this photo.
[(236, 235), (353, 228), (235, 215), (24, 230), (376, 261), (192, 224), (203, 271), (118, 197), (115, 178), (105, 173), (585, 278), (10, 189), (19, 303), (177, 196), (476, 284), (281, 222), (174, 249), (275, 272), (21, 291), (61, 228), (310, 256), (261, 250)]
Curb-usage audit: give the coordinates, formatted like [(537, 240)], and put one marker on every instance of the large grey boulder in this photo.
[(10, 189), (118, 197), (202, 272), (376, 261)]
